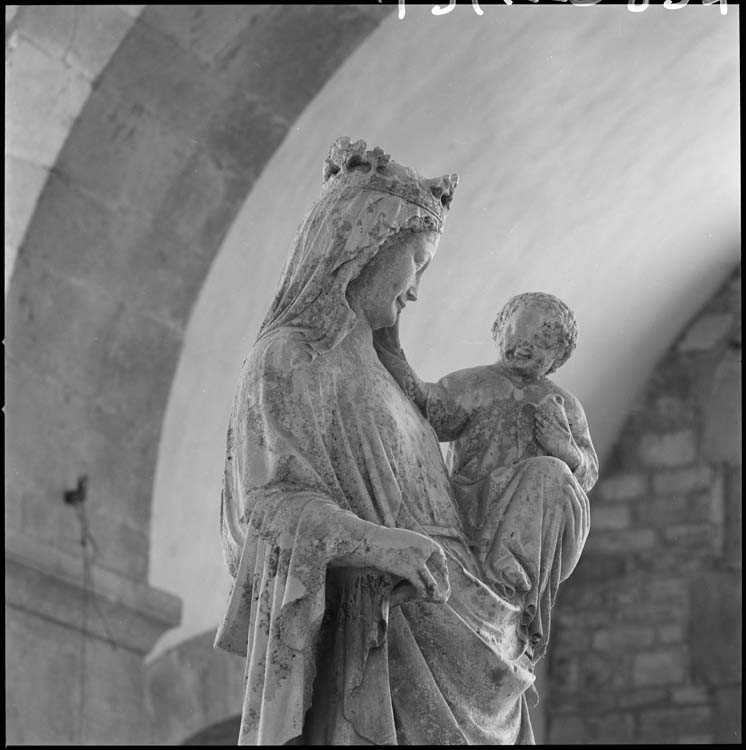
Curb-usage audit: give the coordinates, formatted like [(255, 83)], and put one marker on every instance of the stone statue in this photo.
[(520, 458), (364, 614)]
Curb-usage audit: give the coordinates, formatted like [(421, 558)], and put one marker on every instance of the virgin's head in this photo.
[(362, 249), (391, 280)]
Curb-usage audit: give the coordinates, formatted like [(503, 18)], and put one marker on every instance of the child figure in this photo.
[(520, 457)]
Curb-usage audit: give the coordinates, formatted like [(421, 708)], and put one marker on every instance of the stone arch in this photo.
[(127, 226), (223, 733), (180, 121), (53, 56), (494, 244), (647, 644), (194, 694), (178, 126)]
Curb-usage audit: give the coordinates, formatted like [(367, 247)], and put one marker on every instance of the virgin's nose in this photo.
[(412, 294)]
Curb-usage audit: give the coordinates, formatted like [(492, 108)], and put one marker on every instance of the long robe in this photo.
[(525, 513), (320, 448)]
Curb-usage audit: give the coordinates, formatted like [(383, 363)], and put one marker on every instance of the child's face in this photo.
[(529, 342)]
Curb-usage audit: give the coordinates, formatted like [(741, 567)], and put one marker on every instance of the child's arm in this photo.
[(587, 471), (444, 408), (438, 402), (562, 430)]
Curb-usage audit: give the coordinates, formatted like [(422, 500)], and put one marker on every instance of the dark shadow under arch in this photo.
[(223, 733)]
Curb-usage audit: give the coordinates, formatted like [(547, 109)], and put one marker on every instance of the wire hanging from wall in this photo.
[(76, 498)]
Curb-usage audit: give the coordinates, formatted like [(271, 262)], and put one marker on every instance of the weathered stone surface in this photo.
[(24, 181), (46, 330), (83, 238), (514, 431), (190, 687), (42, 651), (601, 674), (204, 30), (602, 566), (625, 637), (50, 468), (62, 632), (121, 153), (42, 464), (131, 10), (642, 698), (692, 537), (727, 716), (224, 135), (119, 367), (148, 63), (622, 487), (733, 537), (322, 36), (611, 727), (674, 508), (666, 724), (682, 480), (673, 633), (164, 278), (668, 449), (691, 694), (41, 90), (660, 667), (672, 411), (84, 36), (629, 540), (133, 375), (53, 53), (715, 633), (131, 614), (315, 356), (706, 332), (567, 730), (607, 517), (722, 411), (100, 30)]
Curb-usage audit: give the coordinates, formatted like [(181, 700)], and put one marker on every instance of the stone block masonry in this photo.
[(657, 593)]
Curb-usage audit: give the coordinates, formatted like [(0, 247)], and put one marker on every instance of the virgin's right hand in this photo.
[(415, 558)]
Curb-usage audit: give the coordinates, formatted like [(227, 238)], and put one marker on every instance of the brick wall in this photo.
[(646, 644)]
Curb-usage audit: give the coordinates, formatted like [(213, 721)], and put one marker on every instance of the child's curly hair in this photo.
[(564, 320)]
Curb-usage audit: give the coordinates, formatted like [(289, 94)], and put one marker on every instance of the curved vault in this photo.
[(177, 128), (641, 200), (579, 176)]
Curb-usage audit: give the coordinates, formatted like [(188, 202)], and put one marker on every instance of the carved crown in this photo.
[(351, 164)]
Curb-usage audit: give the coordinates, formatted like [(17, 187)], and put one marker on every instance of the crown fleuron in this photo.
[(351, 164)]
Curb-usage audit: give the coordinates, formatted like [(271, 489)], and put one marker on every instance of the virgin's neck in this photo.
[(362, 334)]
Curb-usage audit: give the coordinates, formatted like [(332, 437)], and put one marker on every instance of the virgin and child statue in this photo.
[(378, 596)]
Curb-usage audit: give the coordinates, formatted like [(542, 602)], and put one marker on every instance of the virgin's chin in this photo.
[(384, 322)]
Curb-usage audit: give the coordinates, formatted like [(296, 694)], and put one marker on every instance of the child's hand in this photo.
[(552, 431), (553, 405)]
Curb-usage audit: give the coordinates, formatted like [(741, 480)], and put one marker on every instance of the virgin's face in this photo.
[(528, 342), (392, 278)]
